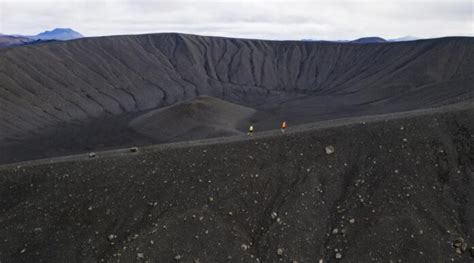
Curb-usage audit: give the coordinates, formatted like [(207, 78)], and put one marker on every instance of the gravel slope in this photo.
[(397, 187)]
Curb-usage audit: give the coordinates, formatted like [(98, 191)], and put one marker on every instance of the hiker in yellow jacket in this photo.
[(250, 132)]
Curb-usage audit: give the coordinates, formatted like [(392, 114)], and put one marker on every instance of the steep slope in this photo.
[(46, 87), (396, 188), (203, 117)]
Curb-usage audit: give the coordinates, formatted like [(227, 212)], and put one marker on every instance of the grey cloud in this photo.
[(274, 19)]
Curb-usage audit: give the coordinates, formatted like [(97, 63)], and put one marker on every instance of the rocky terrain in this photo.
[(389, 188), (377, 164), (53, 95)]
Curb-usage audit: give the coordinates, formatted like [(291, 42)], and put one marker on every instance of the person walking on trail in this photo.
[(283, 126), (250, 133)]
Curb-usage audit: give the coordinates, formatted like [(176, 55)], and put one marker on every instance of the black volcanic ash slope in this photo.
[(396, 190), (203, 117), (47, 90)]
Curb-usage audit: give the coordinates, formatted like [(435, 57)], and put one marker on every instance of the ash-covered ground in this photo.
[(395, 188)]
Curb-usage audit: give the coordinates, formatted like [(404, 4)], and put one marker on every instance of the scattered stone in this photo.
[(244, 247), (92, 155), (111, 237), (329, 149), (274, 215), (280, 252), (338, 256), (352, 220), (458, 250), (335, 231), (133, 149), (458, 242), (211, 199), (23, 250), (140, 255), (178, 257), (464, 247)]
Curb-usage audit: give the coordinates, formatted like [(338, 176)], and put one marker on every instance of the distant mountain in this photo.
[(363, 40), (321, 40), (7, 41), (58, 34), (366, 40), (13, 41), (47, 36), (405, 38)]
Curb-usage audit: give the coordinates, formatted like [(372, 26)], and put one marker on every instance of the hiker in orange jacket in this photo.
[(283, 126)]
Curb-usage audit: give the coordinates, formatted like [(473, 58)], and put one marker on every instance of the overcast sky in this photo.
[(268, 19)]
